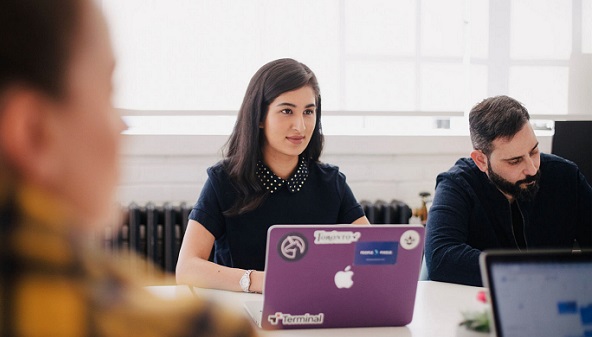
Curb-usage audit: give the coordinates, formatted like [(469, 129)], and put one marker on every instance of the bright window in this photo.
[(404, 59)]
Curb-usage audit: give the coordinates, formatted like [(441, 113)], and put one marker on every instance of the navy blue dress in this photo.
[(324, 198)]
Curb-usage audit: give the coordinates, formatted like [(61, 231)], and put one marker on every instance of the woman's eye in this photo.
[(309, 112), (286, 111)]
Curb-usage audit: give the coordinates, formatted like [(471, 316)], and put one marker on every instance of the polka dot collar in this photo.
[(273, 183)]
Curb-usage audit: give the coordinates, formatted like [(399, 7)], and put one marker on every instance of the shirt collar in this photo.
[(273, 183)]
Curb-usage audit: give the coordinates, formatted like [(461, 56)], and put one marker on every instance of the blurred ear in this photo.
[(25, 134), (480, 160)]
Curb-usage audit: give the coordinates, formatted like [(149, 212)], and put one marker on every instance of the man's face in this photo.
[(524, 189), (513, 166)]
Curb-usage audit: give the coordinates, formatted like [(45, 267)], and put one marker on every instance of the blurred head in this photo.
[(505, 146), (58, 130)]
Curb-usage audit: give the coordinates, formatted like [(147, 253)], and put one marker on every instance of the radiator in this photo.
[(381, 212), (155, 232)]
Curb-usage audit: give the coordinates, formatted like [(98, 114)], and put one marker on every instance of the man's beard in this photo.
[(514, 189)]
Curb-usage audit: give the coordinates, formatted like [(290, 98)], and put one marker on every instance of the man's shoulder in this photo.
[(464, 164), (464, 173), (464, 167), (554, 159), (551, 163)]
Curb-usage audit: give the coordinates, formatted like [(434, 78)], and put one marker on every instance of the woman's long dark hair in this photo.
[(243, 148)]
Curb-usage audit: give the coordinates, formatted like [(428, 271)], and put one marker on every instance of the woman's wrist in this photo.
[(257, 281)]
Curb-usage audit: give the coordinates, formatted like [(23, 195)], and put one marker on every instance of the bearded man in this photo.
[(507, 195)]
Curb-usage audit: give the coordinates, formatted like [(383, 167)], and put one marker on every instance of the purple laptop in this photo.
[(328, 276)]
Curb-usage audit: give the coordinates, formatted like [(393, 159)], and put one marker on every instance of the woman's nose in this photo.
[(298, 123)]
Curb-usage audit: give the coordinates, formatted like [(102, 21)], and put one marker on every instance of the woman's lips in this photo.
[(295, 139)]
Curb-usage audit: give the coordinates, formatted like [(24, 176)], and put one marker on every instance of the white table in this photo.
[(438, 308)]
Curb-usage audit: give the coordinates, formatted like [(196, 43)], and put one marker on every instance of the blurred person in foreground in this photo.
[(59, 152), (507, 195)]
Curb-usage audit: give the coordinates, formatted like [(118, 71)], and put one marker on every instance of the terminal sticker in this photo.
[(288, 319), (376, 252)]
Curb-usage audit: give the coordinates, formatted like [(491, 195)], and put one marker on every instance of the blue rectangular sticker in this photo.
[(376, 253)]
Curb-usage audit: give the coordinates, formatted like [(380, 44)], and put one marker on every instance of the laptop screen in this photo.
[(545, 294)]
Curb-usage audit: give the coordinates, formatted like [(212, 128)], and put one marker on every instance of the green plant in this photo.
[(476, 321)]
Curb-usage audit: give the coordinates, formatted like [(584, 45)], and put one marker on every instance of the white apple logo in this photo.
[(343, 279)]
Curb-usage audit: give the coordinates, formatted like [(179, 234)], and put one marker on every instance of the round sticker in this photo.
[(409, 239), (293, 247)]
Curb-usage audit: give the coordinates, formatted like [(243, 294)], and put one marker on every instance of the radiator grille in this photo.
[(383, 212), (155, 232)]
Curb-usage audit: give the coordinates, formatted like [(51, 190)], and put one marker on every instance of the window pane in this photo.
[(162, 59), (179, 125), (442, 28), (478, 86), (388, 125), (380, 86), (479, 26), (201, 54), (543, 90), (442, 87), (328, 74), (541, 29), (380, 27), (587, 26), (191, 54)]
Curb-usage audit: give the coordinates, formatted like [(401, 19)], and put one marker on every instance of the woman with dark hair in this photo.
[(59, 158), (271, 174)]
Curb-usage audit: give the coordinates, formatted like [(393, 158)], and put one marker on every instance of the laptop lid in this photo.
[(322, 276), (544, 293)]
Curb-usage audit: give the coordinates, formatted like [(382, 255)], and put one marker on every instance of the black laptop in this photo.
[(541, 293)]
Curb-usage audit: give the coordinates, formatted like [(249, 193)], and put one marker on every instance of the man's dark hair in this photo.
[(493, 118)]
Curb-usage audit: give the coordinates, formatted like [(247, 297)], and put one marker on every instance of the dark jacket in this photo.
[(469, 215)]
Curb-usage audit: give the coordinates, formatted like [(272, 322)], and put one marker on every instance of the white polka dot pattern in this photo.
[(273, 183)]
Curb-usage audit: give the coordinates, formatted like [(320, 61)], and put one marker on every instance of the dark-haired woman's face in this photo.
[(289, 124)]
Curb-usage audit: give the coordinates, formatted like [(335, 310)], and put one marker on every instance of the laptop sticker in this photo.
[(409, 239), (376, 252), (293, 247), (335, 237), (288, 319)]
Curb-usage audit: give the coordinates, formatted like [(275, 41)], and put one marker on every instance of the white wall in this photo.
[(173, 168)]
